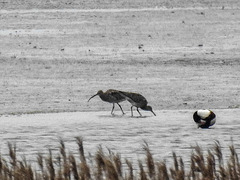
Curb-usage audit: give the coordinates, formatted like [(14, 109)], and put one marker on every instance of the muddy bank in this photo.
[(181, 59), (106, 4)]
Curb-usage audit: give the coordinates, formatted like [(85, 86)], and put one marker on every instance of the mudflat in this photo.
[(53, 60)]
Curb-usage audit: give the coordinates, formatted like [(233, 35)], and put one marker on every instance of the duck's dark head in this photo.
[(98, 93), (148, 108), (196, 117)]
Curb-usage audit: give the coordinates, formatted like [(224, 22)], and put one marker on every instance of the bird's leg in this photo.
[(112, 108), (131, 111), (121, 108), (139, 112)]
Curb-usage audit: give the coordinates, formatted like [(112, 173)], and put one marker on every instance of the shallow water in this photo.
[(169, 131)]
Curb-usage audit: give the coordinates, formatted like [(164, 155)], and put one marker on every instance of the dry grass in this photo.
[(109, 166)]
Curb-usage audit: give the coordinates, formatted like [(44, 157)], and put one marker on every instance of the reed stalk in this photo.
[(64, 166)]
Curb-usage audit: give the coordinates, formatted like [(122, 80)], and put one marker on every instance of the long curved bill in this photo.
[(92, 97), (154, 113)]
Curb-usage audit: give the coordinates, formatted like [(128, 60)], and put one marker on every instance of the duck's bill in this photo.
[(154, 113)]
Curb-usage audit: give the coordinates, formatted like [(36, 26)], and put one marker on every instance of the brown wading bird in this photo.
[(138, 101), (111, 96)]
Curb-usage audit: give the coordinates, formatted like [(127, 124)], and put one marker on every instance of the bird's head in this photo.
[(196, 117), (98, 93), (148, 108)]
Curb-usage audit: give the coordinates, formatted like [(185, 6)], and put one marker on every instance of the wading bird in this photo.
[(138, 101), (111, 96), (204, 118)]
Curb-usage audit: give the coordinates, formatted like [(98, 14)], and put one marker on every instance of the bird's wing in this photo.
[(139, 98), (134, 97), (116, 95), (210, 117)]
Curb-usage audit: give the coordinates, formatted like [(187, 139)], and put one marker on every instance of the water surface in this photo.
[(170, 130)]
